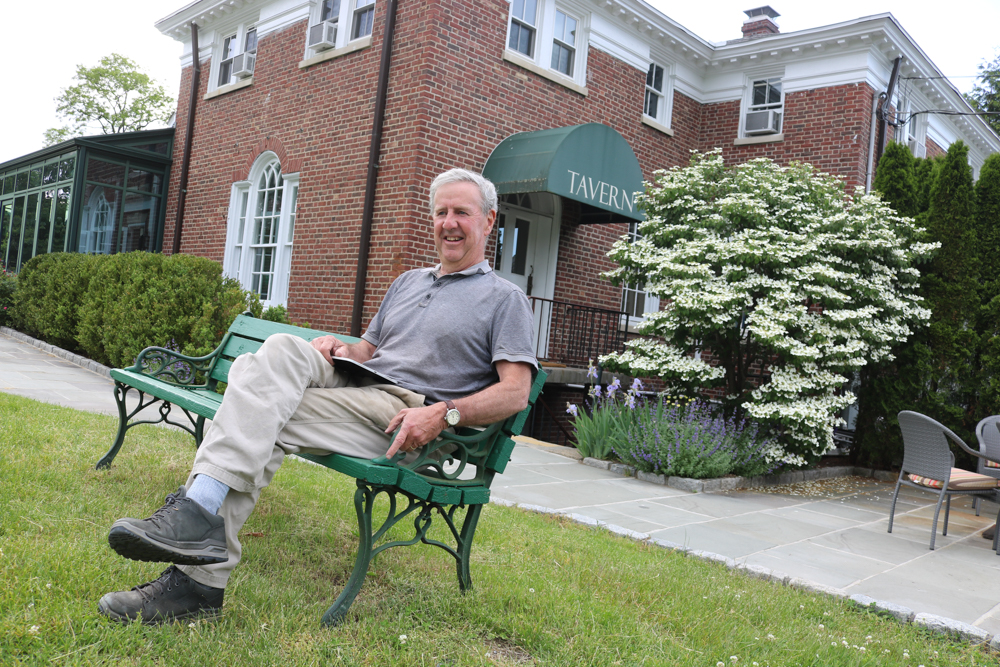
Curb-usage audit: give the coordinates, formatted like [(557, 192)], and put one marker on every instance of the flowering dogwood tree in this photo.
[(763, 266)]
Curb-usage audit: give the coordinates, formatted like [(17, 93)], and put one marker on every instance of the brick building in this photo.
[(565, 104)]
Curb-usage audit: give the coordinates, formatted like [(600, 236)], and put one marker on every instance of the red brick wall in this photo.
[(452, 99), (827, 127)]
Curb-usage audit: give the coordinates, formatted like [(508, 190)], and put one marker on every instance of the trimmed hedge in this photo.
[(110, 307), (49, 292)]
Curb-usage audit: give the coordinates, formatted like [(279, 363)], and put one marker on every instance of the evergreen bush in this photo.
[(988, 238), (8, 286), (139, 299), (896, 180), (934, 372), (50, 290)]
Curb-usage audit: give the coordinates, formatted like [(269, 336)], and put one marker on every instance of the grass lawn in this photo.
[(547, 591)]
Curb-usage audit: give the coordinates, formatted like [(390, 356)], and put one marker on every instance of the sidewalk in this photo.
[(833, 533)]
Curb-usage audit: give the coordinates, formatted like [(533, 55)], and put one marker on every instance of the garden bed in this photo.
[(731, 482)]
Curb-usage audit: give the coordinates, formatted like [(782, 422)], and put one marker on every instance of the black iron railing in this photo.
[(572, 334)]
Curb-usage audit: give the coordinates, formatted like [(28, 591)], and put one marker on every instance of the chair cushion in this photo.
[(991, 464), (961, 480)]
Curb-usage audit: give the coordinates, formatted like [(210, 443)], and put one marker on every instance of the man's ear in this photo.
[(491, 218)]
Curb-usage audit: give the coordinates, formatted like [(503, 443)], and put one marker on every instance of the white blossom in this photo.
[(822, 284)]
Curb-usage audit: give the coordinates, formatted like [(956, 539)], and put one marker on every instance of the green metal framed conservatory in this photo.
[(101, 194)]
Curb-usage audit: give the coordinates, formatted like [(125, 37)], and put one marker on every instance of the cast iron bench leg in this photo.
[(121, 390), (465, 547)]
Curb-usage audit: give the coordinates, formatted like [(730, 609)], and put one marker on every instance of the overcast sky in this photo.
[(44, 41)]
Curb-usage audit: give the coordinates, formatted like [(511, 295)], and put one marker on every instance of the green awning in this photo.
[(590, 163)]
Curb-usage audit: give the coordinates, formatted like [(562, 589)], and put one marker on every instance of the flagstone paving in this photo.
[(831, 532)]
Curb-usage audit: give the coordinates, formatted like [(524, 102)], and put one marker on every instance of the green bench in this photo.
[(449, 474)]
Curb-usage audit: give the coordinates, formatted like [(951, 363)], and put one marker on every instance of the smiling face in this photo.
[(460, 227)]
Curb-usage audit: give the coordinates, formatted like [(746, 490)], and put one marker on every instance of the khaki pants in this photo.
[(284, 399)]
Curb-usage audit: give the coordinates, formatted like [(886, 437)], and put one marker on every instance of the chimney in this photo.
[(760, 22)]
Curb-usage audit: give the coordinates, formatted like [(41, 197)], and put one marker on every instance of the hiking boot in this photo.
[(181, 532), (989, 532), (172, 597)]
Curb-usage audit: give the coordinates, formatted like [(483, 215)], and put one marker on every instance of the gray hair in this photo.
[(487, 191)]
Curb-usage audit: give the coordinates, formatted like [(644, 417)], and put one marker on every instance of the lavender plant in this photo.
[(605, 417), (686, 439)]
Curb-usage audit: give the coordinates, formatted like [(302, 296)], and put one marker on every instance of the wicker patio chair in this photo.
[(988, 435), (929, 464)]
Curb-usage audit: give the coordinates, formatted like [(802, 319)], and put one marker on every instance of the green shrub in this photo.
[(50, 290), (8, 285), (277, 314), (140, 299)]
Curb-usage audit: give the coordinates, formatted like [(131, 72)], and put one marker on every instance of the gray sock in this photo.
[(208, 492)]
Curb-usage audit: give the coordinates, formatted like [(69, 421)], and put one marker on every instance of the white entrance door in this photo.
[(524, 257)]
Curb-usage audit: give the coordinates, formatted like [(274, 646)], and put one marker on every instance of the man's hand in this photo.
[(331, 346), (417, 427)]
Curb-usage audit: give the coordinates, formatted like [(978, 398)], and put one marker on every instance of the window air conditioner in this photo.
[(323, 36), (243, 65), (767, 121)]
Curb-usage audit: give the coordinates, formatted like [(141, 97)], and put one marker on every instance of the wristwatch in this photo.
[(452, 417)]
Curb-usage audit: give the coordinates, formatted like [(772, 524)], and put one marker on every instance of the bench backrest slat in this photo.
[(247, 334)]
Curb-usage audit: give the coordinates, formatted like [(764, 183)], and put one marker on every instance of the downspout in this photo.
[(374, 151), (871, 144), (188, 139)]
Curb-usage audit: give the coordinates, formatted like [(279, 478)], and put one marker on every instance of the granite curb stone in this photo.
[(719, 484), (947, 626)]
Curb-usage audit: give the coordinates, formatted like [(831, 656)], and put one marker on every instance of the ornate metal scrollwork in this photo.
[(173, 367)]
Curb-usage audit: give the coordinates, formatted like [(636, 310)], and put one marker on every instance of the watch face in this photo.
[(452, 417)]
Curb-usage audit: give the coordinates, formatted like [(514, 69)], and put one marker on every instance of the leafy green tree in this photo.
[(763, 265), (115, 96), (988, 232), (895, 179), (883, 389), (935, 372), (985, 95), (924, 173)]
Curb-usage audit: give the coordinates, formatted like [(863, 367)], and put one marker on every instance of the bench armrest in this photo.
[(176, 368), (471, 446)]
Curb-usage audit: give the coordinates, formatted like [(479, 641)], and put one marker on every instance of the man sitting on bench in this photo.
[(456, 338)]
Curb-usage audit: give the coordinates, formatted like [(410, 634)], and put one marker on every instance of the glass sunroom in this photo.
[(102, 194)]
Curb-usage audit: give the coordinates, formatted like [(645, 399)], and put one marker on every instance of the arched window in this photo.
[(261, 227)]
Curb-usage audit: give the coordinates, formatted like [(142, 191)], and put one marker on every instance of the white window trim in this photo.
[(540, 63), (664, 116), (748, 81), (240, 30), (239, 267), (345, 28)]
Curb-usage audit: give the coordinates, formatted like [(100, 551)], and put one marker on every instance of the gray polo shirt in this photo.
[(440, 336)]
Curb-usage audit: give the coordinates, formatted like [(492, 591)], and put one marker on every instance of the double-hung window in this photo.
[(523, 22), (636, 302), (548, 39), (564, 43), (657, 99), (764, 108), (261, 230), (653, 104), (237, 56), (364, 16)]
